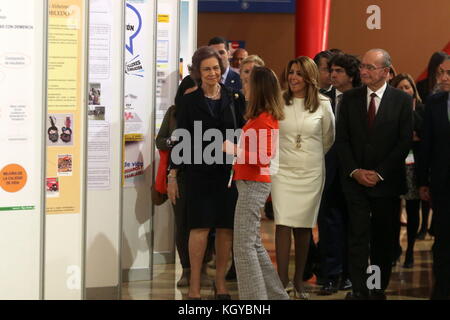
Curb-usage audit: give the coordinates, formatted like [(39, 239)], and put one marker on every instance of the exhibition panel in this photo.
[(140, 35), (105, 134), (167, 79), (22, 141)]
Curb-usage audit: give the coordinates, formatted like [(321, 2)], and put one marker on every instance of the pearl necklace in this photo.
[(215, 95)]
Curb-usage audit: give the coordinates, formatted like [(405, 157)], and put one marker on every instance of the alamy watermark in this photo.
[(255, 147)]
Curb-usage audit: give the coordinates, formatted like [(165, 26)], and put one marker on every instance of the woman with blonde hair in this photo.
[(246, 68), (257, 278), (306, 135)]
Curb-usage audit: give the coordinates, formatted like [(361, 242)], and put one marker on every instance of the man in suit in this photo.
[(229, 77), (373, 138), (321, 59), (332, 220), (434, 178)]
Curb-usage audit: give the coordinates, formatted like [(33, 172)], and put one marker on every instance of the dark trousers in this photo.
[(333, 244), (181, 224), (370, 234), (441, 247)]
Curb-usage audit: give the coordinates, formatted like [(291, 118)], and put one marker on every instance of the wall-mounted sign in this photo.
[(263, 6)]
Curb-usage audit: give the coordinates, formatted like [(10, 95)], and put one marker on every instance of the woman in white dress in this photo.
[(306, 134)]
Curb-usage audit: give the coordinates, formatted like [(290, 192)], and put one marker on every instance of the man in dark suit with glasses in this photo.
[(373, 137)]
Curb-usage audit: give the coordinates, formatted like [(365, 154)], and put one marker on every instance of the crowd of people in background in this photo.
[(356, 143)]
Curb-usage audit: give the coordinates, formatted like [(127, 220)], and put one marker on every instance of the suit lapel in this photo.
[(445, 113), (363, 108)]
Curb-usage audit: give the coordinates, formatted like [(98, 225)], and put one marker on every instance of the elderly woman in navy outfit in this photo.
[(210, 203)]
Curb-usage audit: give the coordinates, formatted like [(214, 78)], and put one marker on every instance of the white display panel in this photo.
[(66, 149), (105, 115), (22, 110), (167, 78), (139, 105), (139, 70)]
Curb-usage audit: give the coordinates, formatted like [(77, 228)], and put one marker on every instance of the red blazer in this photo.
[(257, 146)]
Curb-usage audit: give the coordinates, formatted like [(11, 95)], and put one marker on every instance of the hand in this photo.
[(172, 190), (364, 177), (424, 193), (415, 136), (189, 90), (229, 147), (373, 176)]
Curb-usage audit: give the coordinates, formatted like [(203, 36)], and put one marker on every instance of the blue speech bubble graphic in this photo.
[(134, 35)]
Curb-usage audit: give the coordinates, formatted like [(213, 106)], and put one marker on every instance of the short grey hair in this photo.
[(386, 56)]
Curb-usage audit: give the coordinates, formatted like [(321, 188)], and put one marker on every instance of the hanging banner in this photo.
[(22, 107), (138, 84), (65, 107)]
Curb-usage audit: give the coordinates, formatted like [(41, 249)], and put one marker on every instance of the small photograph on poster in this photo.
[(94, 94), (60, 129), (64, 165), (96, 113), (52, 187)]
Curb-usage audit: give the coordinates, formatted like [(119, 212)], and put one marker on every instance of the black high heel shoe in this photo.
[(222, 296)]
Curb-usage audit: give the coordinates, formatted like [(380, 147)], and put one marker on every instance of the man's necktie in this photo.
[(371, 111)]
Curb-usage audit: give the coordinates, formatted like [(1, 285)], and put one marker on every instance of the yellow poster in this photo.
[(65, 106)]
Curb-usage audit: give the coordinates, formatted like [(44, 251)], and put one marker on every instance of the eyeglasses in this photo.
[(442, 72), (369, 67), (209, 69)]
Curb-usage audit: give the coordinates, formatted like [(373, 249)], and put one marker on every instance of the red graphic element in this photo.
[(129, 115), (311, 29), (234, 44), (52, 184), (67, 122)]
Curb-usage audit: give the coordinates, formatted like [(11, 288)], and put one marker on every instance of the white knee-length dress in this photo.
[(299, 177)]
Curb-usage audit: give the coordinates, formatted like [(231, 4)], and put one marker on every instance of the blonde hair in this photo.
[(265, 94), (255, 59), (310, 74)]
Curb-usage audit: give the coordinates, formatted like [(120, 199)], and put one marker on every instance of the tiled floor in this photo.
[(406, 284)]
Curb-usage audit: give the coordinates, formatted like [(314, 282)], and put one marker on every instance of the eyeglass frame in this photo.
[(441, 72), (370, 67)]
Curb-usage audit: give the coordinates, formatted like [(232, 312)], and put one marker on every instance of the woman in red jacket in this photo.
[(257, 278)]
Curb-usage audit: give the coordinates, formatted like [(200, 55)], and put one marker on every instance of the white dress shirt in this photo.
[(337, 103), (225, 75), (379, 93)]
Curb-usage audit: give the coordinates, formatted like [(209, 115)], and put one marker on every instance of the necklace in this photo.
[(298, 138), (214, 96)]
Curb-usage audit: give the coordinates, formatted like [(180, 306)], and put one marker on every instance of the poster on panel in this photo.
[(138, 88), (21, 141), (188, 37), (101, 104), (167, 58), (64, 123)]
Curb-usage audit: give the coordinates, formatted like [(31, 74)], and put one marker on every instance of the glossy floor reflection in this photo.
[(406, 284)]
